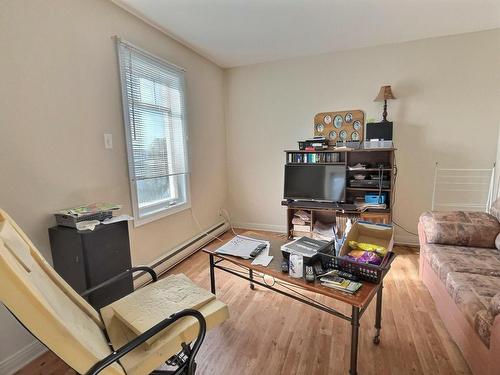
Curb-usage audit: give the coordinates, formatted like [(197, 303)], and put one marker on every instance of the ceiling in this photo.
[(243, 32)]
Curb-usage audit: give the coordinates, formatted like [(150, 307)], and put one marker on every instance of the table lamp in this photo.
[(384, 95)]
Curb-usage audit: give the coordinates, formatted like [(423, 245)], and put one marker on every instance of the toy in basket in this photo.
[(366, 251)]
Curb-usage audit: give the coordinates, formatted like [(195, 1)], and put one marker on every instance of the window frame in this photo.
[(162, 209)]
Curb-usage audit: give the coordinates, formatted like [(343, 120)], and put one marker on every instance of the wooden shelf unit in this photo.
[(330, 212)]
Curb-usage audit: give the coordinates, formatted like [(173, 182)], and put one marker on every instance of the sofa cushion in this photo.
[(444, 259), (473, 295), (430, 248), (478, 229)]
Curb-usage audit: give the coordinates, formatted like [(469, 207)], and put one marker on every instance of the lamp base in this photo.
[(384, 114)]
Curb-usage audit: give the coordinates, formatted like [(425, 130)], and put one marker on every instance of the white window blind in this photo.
[(153, 106)]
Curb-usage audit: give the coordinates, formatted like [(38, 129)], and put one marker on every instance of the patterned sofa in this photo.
[(460, 266)]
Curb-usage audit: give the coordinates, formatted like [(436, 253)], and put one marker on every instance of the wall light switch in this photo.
[(108, 141)]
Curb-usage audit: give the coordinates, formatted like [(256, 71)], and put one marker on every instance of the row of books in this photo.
[(309, 157)]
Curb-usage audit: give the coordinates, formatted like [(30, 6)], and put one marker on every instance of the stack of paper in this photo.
[(242, 246), (323, 231)]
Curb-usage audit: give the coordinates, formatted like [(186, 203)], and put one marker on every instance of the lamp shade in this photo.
[(385, 93)]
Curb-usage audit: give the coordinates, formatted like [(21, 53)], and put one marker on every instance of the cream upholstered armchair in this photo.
[(135, 335)]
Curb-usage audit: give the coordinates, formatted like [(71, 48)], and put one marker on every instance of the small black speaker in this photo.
[(379, 130)]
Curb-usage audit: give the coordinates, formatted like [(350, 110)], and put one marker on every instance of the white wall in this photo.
[(60, 93), (446, 110)]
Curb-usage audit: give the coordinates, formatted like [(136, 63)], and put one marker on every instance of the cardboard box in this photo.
[(363, 231)]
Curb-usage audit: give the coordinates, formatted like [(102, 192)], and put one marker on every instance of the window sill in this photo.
[(159, 215)]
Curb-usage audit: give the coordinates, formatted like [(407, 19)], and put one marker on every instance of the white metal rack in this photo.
[(463, 189)]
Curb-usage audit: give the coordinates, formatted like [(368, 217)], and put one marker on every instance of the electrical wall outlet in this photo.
[(108, 141)]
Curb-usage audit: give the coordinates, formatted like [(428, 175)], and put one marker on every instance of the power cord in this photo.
[(203, 231), (394, 200), (225, 214), (403, 228)]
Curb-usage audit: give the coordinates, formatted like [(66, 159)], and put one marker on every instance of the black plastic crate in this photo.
[(365, 271)]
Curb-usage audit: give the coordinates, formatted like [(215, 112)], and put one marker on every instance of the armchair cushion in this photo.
[(148, 306), (476, 229), (150, 355)]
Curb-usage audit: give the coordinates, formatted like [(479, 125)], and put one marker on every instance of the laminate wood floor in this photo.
[(272, 334)]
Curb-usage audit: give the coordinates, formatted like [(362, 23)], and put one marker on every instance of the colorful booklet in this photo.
[(339, 283)]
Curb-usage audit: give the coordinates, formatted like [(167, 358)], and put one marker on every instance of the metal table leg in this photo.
[(212, 273), (250, 274), (354, 340), (378, 316)]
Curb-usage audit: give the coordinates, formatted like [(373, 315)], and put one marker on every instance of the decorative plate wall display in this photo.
[(340, 126)]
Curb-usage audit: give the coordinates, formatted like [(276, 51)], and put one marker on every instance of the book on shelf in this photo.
[(313, 157), (316, 138), (298, 234), (301, 217), (363, 206), (301, 228)]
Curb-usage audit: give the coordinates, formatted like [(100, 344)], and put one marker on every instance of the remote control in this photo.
[(257, 250), (309, 274), (284, 265), (318, 268)]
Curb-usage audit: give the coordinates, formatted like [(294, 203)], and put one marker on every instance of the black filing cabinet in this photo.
[(87, 258)]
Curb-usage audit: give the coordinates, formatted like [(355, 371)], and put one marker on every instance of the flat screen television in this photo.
[(315, 182)]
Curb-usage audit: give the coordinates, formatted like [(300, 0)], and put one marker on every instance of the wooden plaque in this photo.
[(340, 126)]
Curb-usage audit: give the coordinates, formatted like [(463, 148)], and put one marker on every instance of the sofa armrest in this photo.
[(475, 229), (495, 305), (495, 346), (422, 237)]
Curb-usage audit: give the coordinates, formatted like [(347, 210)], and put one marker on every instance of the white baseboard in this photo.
[(176, 255), (408, 240), (20, 359)]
